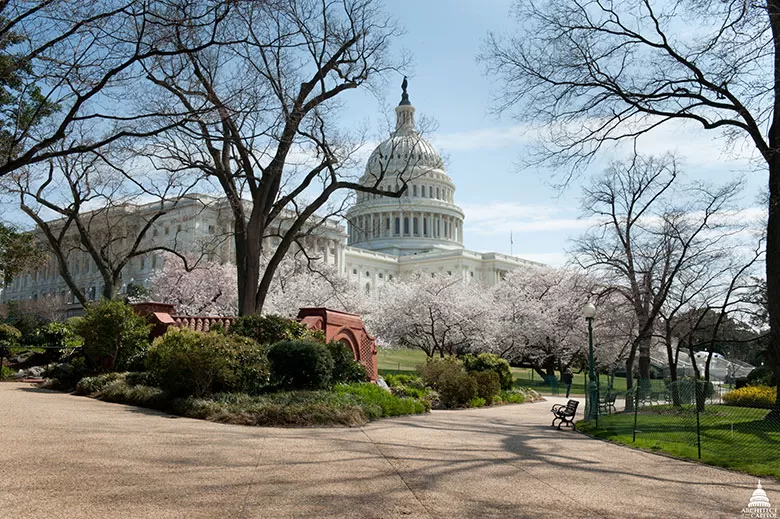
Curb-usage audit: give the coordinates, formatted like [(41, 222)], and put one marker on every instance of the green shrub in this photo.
[(300, 365), (113, 334), (376, 402), (752, 396), (488, 386), (269, 329), (456, 388), (6, 372), (185, 362), (92, 385), (65, 375), (477, 402), (490, 362), (402, 380), (512, 396), (9, 337), (60, 335), (436, 368), (761, 376), (345, 368)]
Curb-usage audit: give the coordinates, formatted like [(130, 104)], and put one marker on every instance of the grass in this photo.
[(732, 437), (401, 360), (345, 404)]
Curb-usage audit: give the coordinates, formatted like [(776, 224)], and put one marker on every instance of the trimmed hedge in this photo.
[(270, 329), (345, 368)]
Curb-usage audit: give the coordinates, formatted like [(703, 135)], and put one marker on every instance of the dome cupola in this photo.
[(425, 217)]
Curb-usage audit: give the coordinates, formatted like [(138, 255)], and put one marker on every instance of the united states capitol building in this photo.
[(384, 237)]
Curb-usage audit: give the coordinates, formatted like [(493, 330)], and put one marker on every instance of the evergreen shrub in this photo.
[(113, 335), (490, 362), (184, 362), (345, 368), (488, 386), (300, 365)]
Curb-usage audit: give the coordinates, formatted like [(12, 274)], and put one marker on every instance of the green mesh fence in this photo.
[(694, 419)]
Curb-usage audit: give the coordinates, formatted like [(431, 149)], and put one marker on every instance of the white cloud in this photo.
[(506, 217)]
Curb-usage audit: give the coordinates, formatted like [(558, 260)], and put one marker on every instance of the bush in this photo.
[(408, 381), (752, 396), (487, 385), (435, 369), (185, 362), (60, 335), (477, 402), (456, 388), (270, 329), (490, 362), (92, 385), (113, 334), (65, 375), (511, 396), (300, 365), (345, 368), (9, 337), (761, 376), (376, 402)]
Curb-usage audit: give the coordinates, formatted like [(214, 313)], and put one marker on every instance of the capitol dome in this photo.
[(759, 498), (425, 217)]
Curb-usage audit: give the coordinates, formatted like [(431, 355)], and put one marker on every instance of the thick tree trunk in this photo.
[(773, 275), (772, 156)]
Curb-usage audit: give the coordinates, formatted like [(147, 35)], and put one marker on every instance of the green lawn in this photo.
[(732, 437), (401, 360)]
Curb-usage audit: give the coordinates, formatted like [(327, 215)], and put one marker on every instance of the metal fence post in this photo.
[(636, 408), (698, 425)]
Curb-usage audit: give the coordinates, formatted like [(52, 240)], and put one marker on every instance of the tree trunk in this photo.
[(772, 156), (773, 275), (249, 248)]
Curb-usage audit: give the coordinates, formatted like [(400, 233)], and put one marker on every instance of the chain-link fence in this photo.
[(693, 419)]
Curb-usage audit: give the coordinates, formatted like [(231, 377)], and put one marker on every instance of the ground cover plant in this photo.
[(733, 437), (345, 404)]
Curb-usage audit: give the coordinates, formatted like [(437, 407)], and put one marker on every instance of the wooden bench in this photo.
[(607, 403), (564, 414)]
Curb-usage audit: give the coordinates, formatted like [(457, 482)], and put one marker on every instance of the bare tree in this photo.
[(604, 71), (68, 66), (263, 123), (650, 230), (96, 216)]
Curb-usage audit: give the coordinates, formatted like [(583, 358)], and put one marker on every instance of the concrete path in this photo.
[(73, 457)]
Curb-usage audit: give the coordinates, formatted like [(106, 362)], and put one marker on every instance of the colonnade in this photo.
[(405, 223)]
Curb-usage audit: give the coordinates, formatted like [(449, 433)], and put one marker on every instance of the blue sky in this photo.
[(483, 150)]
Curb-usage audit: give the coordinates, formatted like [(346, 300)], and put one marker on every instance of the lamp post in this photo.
[(592, 407)]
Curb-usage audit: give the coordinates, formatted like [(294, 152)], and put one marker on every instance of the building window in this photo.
[(354, 271), (143, 263), (211, 229), (472, 274), (368, 289), (414, 190), (406, 225), (438, 196), (380, 275), (368, 274), (397, 226), (390, 277), (178, 228), (167, 230), (422, 191), (415, 227), (425, 227), (155, 232)]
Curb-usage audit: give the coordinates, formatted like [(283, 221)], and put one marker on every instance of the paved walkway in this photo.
[(73, 457)]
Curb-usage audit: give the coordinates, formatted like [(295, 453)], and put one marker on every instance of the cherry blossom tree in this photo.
[(539, 317), (210, 288), (439, 314)]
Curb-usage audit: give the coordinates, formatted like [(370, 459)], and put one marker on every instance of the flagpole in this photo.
[(511, 245)]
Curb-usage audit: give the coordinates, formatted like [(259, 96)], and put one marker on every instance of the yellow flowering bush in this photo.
[(752, 396)]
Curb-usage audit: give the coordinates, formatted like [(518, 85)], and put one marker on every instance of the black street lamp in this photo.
[(592, 401)]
